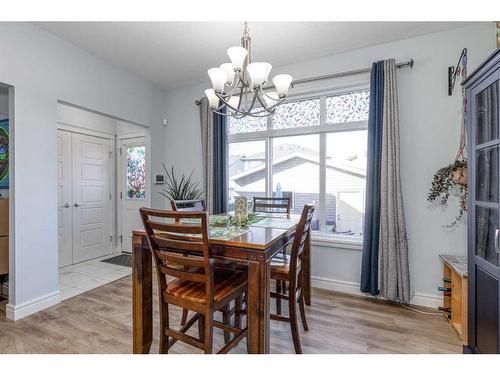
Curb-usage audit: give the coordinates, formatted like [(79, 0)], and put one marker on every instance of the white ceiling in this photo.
[(175, 54)]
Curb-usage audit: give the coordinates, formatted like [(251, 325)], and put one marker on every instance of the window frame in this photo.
[(320, 237)]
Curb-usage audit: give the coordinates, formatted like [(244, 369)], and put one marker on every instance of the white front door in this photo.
[(135, 190), (92, 207), (64, 203)]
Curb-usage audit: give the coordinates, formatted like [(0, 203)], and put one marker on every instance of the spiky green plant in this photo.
[(183, 189)]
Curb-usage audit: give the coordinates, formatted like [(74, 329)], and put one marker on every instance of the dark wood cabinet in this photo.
[(483, 101)]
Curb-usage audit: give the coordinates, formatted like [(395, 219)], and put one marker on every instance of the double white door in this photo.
[(84, 197)]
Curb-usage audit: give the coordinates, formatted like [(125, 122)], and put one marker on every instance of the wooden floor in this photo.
[(100, 321)]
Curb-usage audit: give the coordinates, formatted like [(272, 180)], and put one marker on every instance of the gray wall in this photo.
[(43, 69), (429, 139)]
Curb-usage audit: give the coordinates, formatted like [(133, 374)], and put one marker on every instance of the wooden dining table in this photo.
[(254, 246)]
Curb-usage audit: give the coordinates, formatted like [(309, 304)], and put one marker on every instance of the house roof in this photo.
[(288, 151)]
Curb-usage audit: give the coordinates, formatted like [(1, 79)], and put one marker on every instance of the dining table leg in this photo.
[(258, 301), (142, 297)]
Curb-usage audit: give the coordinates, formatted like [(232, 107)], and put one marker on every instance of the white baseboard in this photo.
[(427, 300), (19, 311), (349, 287)]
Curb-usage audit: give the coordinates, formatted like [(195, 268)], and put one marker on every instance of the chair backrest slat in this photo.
[(272, 204), (185, 261), (182, 274), (188, 205), (176, 227)]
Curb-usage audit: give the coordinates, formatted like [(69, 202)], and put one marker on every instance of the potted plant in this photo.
[(451, 178), (180, 189)]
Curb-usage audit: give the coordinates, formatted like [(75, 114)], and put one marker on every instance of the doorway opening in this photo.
[(103, 178)]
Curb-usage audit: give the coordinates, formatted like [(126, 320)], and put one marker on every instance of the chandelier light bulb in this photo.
[(282, 83), (237, 55), (213, 100), (268, 70), (229, 70), (218, 78), (258, 73)]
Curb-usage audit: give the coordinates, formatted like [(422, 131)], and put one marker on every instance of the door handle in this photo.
[(67, 205), (77, 204), (497, 250)]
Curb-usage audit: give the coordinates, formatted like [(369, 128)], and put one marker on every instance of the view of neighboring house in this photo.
[(345, 183)]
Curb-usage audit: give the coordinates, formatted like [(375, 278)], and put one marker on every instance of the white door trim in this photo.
[(141, 138), (100, 134), (81, 130)]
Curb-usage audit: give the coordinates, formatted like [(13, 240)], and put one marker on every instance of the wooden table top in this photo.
[(260, 235)]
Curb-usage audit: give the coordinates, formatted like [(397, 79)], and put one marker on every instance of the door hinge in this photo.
[(111, 238), (120, 150), (110, 196), (110, 154), (121, 195), (121, 238)]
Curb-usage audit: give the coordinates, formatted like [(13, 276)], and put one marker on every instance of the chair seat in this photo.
[(226, 285), (280, 267)]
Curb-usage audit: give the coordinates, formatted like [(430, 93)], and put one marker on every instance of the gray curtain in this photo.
[(393, 245), (207, 136)]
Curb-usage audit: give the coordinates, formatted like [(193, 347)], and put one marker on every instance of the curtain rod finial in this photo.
[(411, 62)]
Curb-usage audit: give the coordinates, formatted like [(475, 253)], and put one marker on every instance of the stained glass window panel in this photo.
[(348, 107), (247, 124), (297, 114), (136, 172)]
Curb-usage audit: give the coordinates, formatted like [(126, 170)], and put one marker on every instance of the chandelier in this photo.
[(238, 86)]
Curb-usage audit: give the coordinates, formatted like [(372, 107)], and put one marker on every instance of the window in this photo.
[(297, 114), (347, 107), (246, 124), (312, 149), (247, 170), (136, 172), (296, 171), (345, 179)]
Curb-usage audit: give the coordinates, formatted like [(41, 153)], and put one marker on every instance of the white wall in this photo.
[(80, 118), (44, 69), (429, 139)]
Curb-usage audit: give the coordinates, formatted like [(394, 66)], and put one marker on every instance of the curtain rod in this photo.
[(399, 65)]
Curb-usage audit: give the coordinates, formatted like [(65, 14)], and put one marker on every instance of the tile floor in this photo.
[(79, 278)]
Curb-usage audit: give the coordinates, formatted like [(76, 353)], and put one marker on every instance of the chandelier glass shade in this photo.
[(239, 88)]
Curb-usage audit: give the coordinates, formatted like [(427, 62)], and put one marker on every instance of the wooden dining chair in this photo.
[(289, 271), (197, 285), (188, 205), (272, 205), (199, 205)]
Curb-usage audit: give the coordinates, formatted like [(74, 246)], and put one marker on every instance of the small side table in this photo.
[(455, 278)]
